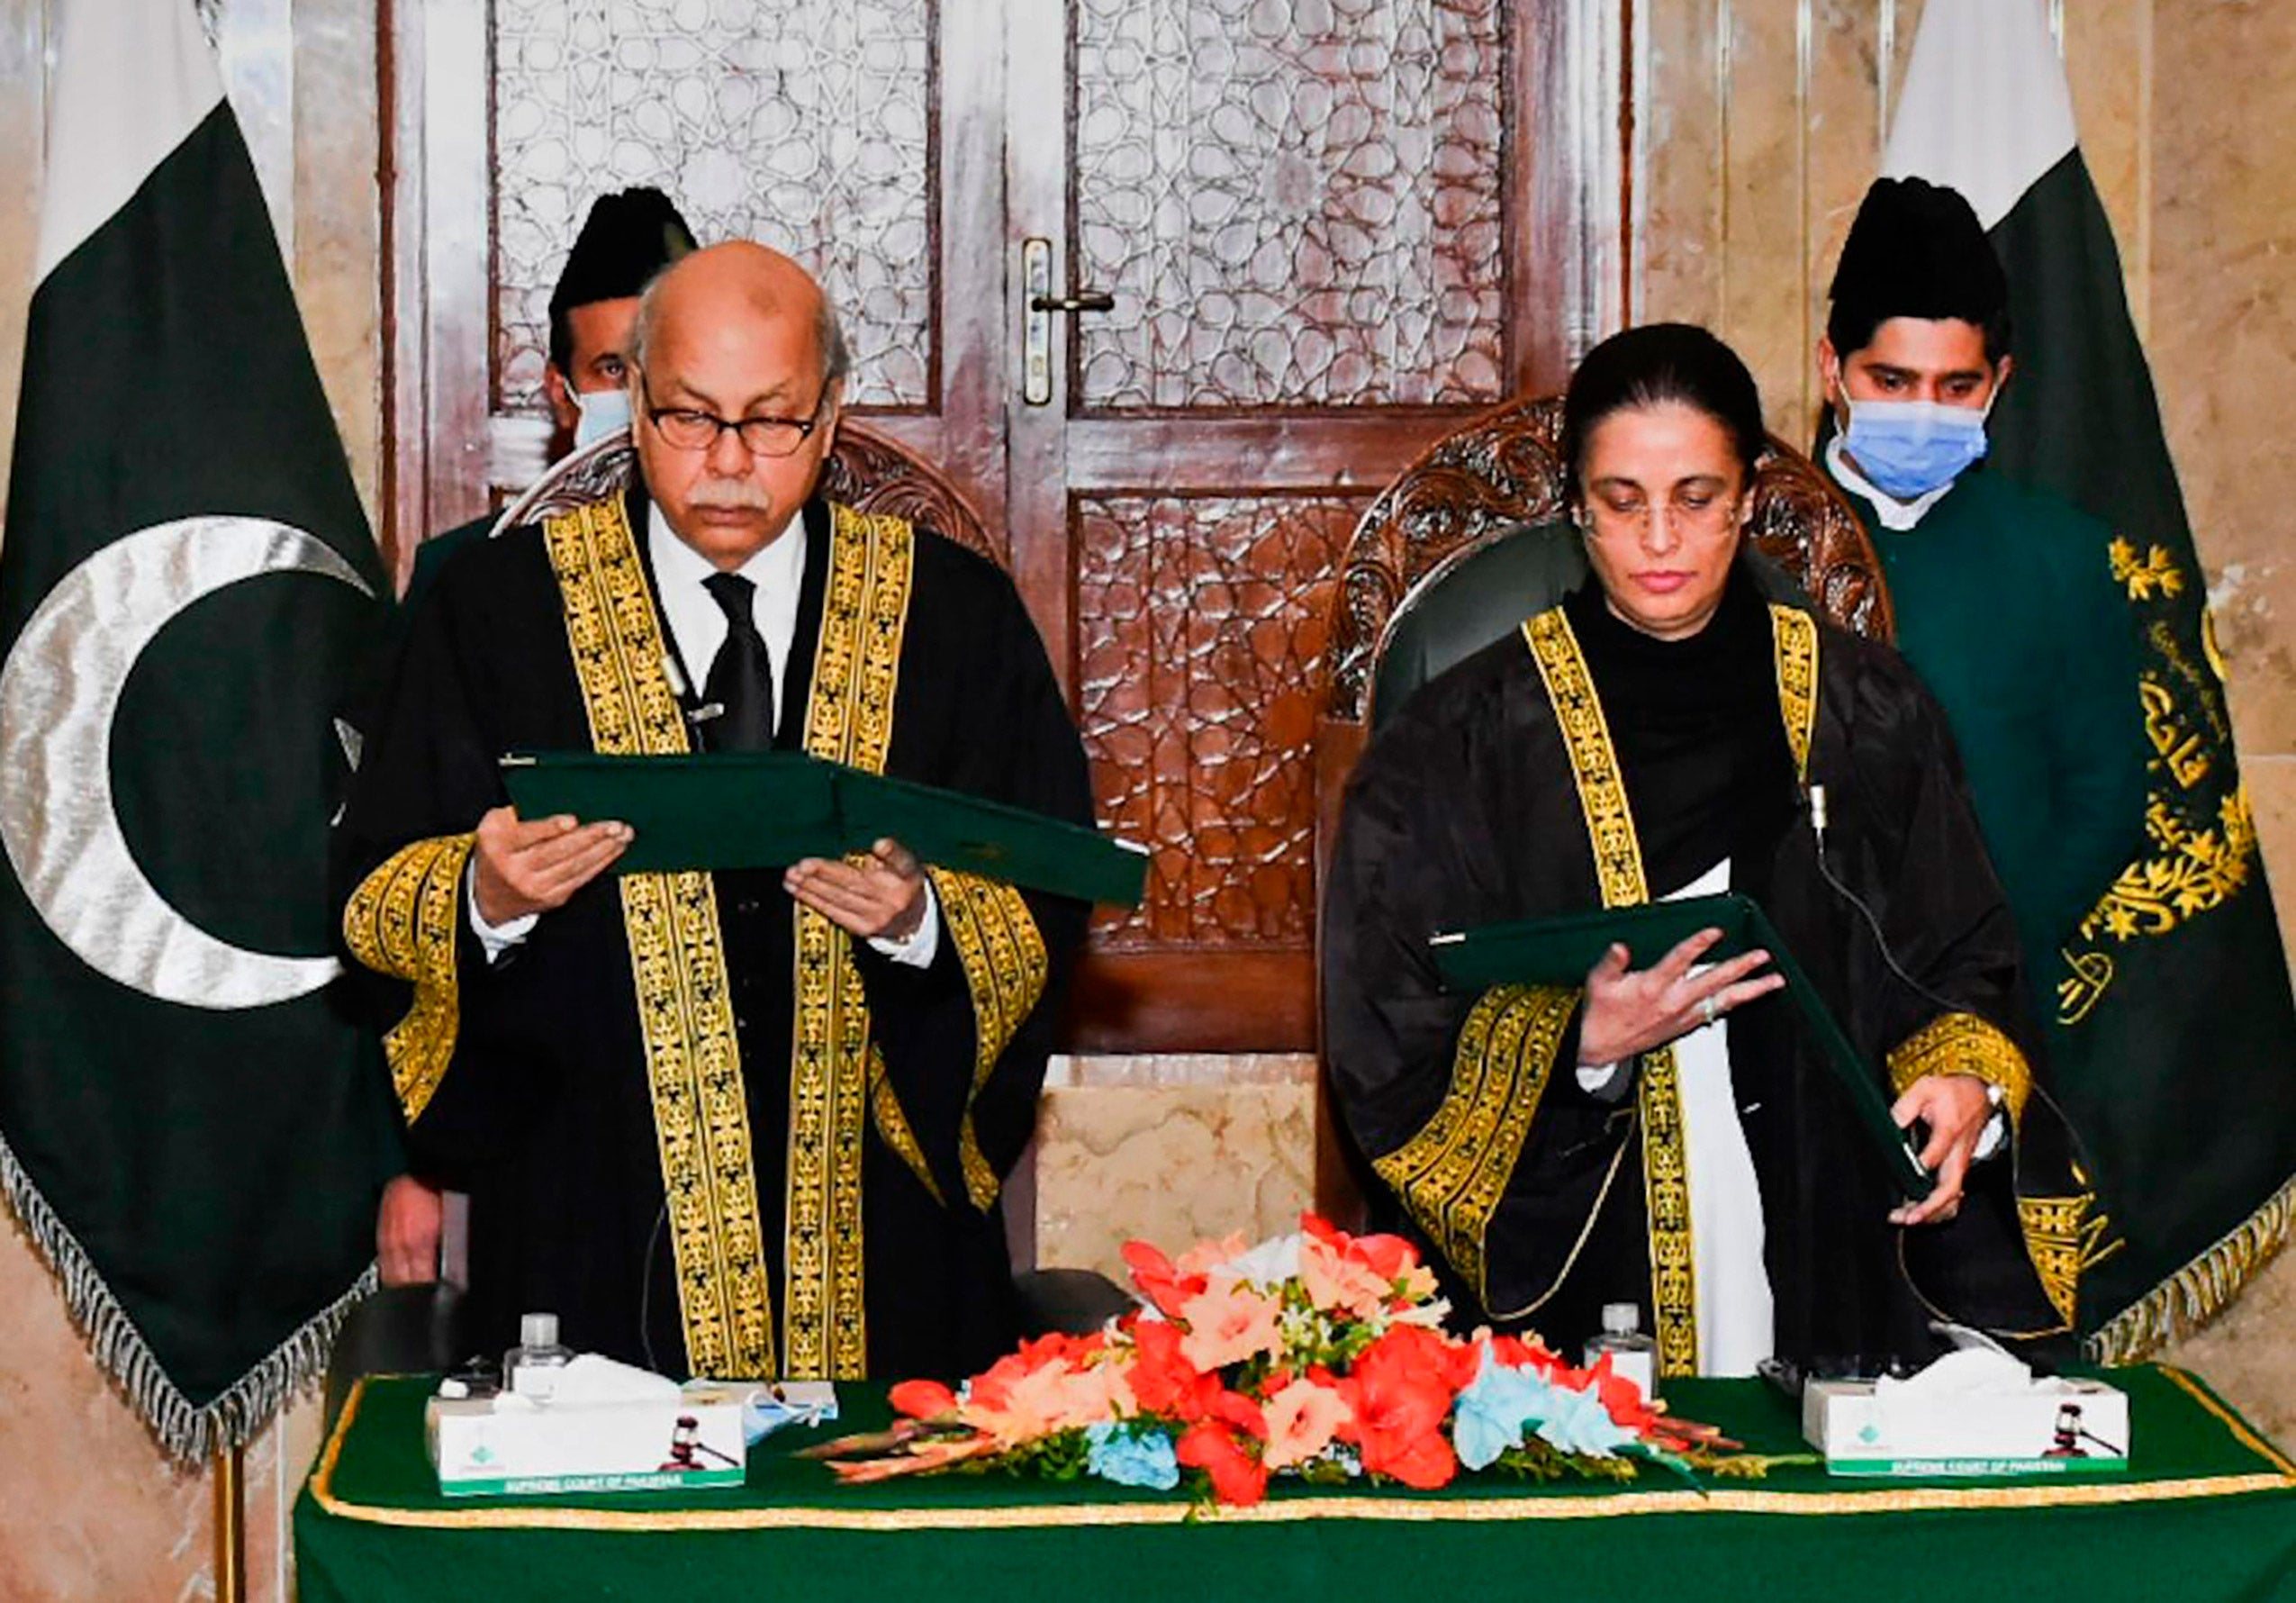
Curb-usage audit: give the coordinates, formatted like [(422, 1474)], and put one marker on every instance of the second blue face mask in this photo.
[(599, 413), (1907, 448)]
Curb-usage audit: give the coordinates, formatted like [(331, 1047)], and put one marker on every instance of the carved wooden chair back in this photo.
[(1474, 489)]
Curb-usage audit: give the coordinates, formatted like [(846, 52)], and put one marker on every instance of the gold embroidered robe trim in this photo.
[(893, 1128), (403, 919), (677, 963), (1963, 1043), (1619, 876), (2061, 1240), (849, 719), (1794, 642), (1006, 968), (1453, 1172), (2062, 1237)]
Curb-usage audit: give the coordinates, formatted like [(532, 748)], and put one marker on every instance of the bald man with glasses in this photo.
[(741, 1123)]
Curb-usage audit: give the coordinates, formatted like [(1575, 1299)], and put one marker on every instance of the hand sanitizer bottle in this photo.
[(531, 1369), (1633, 1356)]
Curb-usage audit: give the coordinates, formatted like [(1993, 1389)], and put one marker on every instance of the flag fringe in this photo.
[(2200, 1290), (188, 1434)]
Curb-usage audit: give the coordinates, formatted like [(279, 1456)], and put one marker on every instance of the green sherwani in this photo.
[(2007, 607)]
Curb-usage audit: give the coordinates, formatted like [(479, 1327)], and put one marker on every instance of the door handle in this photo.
[(1083, 300), (1036, 330)]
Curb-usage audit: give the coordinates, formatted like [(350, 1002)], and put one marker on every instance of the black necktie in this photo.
[(741, 678)]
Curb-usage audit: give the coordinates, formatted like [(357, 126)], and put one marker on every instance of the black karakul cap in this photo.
[(1916, 250), (626, 239)]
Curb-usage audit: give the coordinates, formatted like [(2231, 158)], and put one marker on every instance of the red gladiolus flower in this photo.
[(1621, 1398), (1163, 1380), (1400, 1392), (1233, 1408), (1238, 1477), (922, 1400), (1158, 1280), (1517, 1353), (1415, 1352), (1398, 1425)]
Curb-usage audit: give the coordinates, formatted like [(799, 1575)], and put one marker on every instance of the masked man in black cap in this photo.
[(737, 1123), (2004, 597), (627, 238)]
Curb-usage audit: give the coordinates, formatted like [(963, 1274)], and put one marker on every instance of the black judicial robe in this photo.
[(1576, 764), (828, 1128)]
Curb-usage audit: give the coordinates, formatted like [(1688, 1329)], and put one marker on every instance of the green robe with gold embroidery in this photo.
[(1498, 793), (710, 1130), (2007, 607)]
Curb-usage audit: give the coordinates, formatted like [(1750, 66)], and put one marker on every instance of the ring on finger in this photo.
[(1706, 1010)]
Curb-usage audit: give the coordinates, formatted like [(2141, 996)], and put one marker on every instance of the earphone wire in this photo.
[(1881, 943)]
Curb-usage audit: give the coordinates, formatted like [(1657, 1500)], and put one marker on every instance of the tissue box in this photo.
[(693, 1439), (2055, 1427)]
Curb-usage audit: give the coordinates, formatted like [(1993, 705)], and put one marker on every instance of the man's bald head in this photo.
[(735, 389), (739, 279)]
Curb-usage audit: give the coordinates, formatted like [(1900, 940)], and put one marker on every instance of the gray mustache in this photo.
[(729, 494)]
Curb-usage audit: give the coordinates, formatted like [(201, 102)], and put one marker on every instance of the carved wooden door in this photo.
[(1326, 231)]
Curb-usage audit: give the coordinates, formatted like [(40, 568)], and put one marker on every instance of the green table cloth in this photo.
[(2207, 1510)]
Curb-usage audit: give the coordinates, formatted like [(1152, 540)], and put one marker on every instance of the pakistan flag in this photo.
[(2174, 1045), (189, 1134)]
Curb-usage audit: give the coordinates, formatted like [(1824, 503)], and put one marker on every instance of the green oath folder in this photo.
[(768, 808), (1560, 951)]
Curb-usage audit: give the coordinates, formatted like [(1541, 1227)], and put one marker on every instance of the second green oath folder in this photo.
[(768, 808), (1560, 951)]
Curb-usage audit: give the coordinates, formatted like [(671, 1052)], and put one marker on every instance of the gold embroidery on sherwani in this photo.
[(677, 963), (856, 668), (404, 920)]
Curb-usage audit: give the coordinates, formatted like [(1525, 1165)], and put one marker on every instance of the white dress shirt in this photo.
[(698, 627)]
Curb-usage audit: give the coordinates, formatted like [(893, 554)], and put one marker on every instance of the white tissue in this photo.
[(591, 1382)]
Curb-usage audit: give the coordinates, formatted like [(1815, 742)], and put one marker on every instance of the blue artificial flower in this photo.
[(1491, 1414), (1578, 1423), (1131, 1457)]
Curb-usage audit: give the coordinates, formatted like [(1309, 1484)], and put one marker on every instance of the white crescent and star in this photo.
[(59, 694)]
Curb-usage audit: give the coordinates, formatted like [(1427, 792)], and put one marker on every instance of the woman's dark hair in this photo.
[(1651, 366)]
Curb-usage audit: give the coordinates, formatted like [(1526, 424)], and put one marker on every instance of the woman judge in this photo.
[(1664, 1135)]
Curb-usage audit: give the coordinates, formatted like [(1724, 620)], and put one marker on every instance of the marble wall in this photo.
[(1760, 123)]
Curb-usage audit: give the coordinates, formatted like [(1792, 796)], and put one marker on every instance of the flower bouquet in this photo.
[(1319, 1356)]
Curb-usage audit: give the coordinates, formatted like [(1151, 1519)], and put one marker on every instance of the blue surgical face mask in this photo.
[(598, 413), (1907, 448)]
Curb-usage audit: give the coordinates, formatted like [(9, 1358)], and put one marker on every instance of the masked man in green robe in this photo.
[(2005, 598)]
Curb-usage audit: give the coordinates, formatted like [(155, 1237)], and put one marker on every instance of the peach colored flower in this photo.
[(1302, 1419), (1338, 1282), (1227, 1324), (1052, 1397), (1417, 1283), (1207, 1255)]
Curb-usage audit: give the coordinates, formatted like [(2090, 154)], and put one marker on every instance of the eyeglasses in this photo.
[(689, 428), (1694, 512)]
